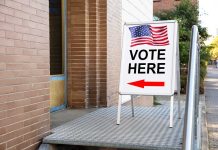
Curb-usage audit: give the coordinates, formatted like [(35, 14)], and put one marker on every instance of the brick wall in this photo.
[(94, 49), (86, 53), (24, 73), (160, 5)]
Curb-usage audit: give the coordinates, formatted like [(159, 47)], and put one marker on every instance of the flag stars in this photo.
[(139, 31)]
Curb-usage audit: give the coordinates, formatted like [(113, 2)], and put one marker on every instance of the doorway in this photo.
[(57, 56)]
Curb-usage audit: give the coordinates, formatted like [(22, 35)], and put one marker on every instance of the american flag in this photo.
[(150, 35)]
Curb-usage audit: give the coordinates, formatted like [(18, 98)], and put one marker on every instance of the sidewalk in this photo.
[(211, 99)]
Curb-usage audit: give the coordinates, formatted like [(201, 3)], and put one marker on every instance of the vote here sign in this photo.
[(149, 58)]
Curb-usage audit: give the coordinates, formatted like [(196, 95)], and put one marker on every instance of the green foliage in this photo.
[(214, 49), (186, 13)]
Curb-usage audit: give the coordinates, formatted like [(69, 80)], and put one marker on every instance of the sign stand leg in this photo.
[(179, 112), (133, 114), (171, 111), (119, 109)]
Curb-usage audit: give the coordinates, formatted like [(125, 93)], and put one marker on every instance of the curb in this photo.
[(204, 136)]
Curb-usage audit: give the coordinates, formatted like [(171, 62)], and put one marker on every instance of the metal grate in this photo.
[(149, 129)]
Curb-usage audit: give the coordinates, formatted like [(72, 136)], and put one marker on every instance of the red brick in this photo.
[(29, 10), (2, 130), (24, 66), (14, 51), (22, 88), (13, 35), (3, 115), (42, 14), (2, 2), (21, 29), (2, 66), (6, 42), (22, 44), (16, 133), (2, 146), (8, 121), (2, 50), (13, 20), (6, 26), (21, 14), (28, 23), (2, 17), (38, 5), (163, 5), (15, 126), (39, 33), (14, 112), (6, 90), (45, 3), (23, 145), (34, 38), (35, 119), (43, 53), (2, 33), (13, 4), (39, 19), (32, 115), (26, 2), (34, 146), (15, 141), (39, 45), (6, 10), (30, 52)]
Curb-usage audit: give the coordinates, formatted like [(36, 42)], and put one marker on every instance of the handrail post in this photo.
[(192, 104)]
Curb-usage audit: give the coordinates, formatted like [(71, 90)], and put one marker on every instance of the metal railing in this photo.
[(191, 136)]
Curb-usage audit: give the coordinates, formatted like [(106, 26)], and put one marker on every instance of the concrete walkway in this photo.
[(211, 99), (60, 117)]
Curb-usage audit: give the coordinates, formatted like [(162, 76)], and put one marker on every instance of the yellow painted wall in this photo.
[(56, 90)]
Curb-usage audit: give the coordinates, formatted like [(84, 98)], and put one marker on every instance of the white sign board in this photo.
[(149, 57)]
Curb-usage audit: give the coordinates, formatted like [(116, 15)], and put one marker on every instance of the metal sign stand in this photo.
[(171, 110), (119, 109), (133, 114)]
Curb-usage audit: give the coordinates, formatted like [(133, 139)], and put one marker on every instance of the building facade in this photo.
[(24, 73), (161, 5), (33, 52)]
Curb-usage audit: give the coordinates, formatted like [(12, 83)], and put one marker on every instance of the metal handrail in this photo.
[(190, 138)]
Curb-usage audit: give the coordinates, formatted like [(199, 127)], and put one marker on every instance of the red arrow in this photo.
[(142, 83)]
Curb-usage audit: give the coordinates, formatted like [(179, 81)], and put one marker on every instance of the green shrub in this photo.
[(186, 13)]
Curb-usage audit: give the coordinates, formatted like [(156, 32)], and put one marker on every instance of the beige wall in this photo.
[(118, 13), (137, 11), (24, 73), (114, 27)]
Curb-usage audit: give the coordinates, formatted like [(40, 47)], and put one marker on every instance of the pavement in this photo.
[(211, 101)]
